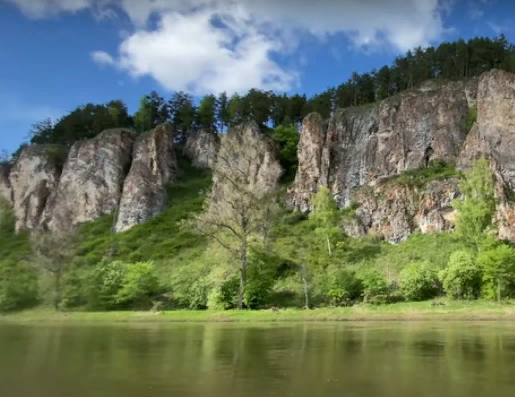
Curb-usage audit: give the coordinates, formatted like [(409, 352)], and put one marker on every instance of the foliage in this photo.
[(239, 204), (375, 287), (435, 170), (287, 136), (476, 211), (261, 276), (471, 118), (106, 282), (139, 285), (462, 278), (418, 281), (498, 265), (18, 286), (343, 286)]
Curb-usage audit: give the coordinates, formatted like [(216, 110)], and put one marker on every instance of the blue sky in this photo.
[(58, 54)]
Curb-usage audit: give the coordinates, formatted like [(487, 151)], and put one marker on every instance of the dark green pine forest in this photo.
[(306, 260)]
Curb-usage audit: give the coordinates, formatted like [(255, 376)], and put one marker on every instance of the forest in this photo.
[(248, 250)]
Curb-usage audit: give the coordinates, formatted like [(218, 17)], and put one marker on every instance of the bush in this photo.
[(418, 281), (260, 278), (18, 286), (140, 284), (106, 282), (375, 287), (343, 286), (498, 265), (462, 278), (471, 118)]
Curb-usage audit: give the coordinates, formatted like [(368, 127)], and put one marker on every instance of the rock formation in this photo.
[(5, 185), (355, 151), (33, 178), (201, 148), (91, 181), (153, 167)]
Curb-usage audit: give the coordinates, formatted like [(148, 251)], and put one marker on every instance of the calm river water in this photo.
[(367, 360)]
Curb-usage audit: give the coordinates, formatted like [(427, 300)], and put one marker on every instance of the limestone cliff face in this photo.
[(201, 148), (92, 179), (394, 211), (153, 166), (33, 178), (355, 151), (493, 136), (5, 185)]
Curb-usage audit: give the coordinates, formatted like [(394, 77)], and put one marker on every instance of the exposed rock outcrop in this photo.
[(361, 146), (201, 148), (5, 185), (33, 178), (153, 166), (394, 211), (91, 181)]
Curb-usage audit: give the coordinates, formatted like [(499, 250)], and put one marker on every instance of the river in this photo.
[(414, 359)]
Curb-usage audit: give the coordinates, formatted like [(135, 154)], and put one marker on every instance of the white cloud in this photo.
[(212, 45), (499, 28), (102, 58)]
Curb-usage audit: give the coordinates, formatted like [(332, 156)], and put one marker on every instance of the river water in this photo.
[(220, 360)]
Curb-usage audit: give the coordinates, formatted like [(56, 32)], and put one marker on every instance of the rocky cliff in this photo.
[(91, 181), (201, 148), (153, 167), (5, 185), (356, 150), (113, 173), (33, 179)]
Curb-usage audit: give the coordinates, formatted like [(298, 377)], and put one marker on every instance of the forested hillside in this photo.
[(228, 236)]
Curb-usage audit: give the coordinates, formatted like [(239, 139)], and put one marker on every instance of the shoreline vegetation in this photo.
[(481, 310)]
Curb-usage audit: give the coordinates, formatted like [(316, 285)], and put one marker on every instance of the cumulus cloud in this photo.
[(210, 45)]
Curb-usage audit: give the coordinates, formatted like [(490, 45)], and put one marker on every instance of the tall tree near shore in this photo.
[(245, 179), (53, 253)]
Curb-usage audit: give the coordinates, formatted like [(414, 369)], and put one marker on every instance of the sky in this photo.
[(59, 54)]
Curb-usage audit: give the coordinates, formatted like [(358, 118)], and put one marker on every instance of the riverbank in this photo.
[(412, 311)]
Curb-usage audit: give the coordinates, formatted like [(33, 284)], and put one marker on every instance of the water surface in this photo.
[(367, 360)]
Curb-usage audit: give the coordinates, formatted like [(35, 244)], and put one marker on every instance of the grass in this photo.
[(160, 238), (419, 178), (412, 311)]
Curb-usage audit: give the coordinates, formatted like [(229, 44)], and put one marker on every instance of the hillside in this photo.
[(404, 170)]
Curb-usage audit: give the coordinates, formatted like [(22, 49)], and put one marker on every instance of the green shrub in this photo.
[(418, 281), (436, 170), (260, 277), (471, 118), (343, 286), (498, 265), (106, 282), (140, 285), (375, 287), (228, 293), (18, 286), (462, 278)]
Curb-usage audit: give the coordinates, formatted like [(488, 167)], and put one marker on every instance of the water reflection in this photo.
[(388, 359)]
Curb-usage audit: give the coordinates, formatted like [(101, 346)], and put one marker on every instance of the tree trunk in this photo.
[(57, 286), (243, 275), (498, 290), (328, 245), (305, 281)]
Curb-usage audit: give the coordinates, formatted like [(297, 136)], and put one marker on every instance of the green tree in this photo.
[(462, 277), (418, 281), (53, 253), (498, 265), (476, 211), (222, 112), (325, 216), (143, 117), (240, 199), (207, 113), (287, 136)]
